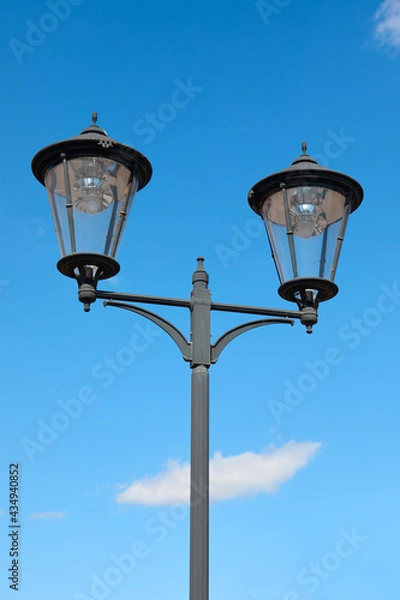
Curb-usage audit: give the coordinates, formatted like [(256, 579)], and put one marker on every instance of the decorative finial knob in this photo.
[(200, 262), (304, 147), (200, 276), (94, 118)]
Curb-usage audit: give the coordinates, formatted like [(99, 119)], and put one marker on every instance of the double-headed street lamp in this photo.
[(91, 180)]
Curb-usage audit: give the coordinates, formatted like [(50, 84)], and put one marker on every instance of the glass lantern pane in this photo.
[(303, 225), (90, 199)]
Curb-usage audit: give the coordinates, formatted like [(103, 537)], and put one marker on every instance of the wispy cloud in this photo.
[(246, 474), (387, 26), (48, 515), (2, 512)]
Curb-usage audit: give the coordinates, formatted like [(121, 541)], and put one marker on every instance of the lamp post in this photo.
[(91, 180)]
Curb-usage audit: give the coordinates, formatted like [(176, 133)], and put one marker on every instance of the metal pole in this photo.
[(199, 486), (199, 461)]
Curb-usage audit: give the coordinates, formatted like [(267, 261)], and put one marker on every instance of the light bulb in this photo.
[(308, 216), (92, 192)]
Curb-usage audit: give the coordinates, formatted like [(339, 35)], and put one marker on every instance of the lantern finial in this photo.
[(200, 276), (94, 118), (200, 263), (304, 147)]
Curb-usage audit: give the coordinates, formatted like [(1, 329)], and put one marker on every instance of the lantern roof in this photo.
[(92, 141), (305, 171)]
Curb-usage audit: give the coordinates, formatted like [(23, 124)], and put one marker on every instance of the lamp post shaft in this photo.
[(199, 485), (199, 461)]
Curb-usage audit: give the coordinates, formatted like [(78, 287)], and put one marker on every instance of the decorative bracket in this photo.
[(178, 337), (233, 333)]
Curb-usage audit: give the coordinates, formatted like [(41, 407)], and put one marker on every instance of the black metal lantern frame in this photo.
[(305, 208), (91, 181)]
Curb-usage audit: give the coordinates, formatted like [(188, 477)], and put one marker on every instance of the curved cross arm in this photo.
[(230, 335), (178, 337)]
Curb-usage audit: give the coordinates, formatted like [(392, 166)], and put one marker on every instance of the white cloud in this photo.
[(387, 25), (47, 515), (230, 477)]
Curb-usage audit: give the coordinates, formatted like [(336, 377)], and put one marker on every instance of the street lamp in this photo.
[(91, 180), (305, 209)]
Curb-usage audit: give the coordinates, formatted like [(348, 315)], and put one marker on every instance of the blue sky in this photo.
[(305, 496)]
